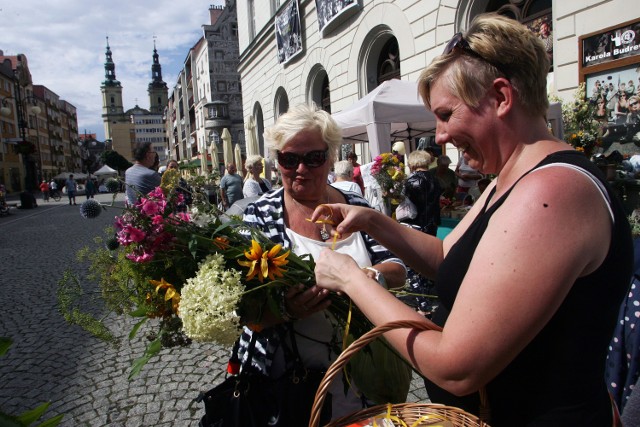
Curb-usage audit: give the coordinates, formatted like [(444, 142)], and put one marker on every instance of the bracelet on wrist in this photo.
[(379, 277)]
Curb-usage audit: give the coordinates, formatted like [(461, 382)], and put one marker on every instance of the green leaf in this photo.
[(136, 327), (152, 349), (193, 246), (52, 422), (5, 343), (32, 416), (138, 312)]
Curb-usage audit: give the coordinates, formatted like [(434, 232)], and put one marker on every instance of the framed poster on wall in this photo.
[(329, 12), (610, 68), (288, 32), (542, 26)]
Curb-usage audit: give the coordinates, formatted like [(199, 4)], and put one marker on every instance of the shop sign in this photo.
[(621, 42)]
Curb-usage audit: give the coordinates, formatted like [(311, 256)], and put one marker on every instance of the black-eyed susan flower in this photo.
[(263, 263)]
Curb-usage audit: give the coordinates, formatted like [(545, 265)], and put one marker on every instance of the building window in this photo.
[(326, 95), (252, 19), (535, 14), (221, 86), (389, 61), (282, 102)]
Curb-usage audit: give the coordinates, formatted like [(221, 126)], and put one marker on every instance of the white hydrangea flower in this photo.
[(209, 302)]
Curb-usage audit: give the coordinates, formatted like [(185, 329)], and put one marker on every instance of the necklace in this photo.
[(324, 233)]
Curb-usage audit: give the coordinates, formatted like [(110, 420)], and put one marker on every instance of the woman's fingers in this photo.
[(302, 303)]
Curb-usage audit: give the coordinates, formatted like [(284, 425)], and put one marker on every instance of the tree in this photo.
[(114, 160)]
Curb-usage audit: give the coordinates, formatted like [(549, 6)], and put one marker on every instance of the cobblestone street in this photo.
[(84, 378)]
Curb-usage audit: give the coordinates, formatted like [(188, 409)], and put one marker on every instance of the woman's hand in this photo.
[(300, 303), (343, 218), (333, 270)]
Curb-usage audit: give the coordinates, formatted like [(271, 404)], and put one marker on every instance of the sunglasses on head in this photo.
[(458, 42), (312, 159)]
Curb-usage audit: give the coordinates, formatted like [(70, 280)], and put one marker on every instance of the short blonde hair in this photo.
[(497, 40), (252, 161), (304, 117), (419, 159)]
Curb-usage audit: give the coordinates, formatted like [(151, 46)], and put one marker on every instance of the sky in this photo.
[(65, 42)]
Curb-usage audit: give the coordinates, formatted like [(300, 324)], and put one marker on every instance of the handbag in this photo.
[(252, 399), (406, 210)]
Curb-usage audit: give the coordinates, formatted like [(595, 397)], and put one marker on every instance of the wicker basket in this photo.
[(400, 414)]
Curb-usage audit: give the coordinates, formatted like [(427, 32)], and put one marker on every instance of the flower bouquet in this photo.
[(200, 274), (388, 171)]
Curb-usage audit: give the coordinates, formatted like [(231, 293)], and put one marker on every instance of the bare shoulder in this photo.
[(557, 208), (559, 188)]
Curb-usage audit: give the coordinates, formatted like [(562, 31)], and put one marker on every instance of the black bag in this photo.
[(251, 399)]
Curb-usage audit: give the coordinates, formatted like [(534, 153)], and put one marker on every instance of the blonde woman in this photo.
[(254, 185)]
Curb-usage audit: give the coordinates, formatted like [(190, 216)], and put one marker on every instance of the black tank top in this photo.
[(558, 379)]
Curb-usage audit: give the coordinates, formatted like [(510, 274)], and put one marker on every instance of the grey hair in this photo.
[(343, 169)]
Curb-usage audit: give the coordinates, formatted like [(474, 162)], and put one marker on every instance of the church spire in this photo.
[(158, 90), (156, 70), (109, 69)]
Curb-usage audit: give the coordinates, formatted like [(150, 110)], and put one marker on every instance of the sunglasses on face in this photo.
[(458, 42), (633, 103), (312, 159)]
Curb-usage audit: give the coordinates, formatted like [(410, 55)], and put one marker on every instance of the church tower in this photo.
[(112, 108), (158, 91)]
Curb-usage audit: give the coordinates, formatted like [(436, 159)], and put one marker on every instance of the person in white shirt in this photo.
[(344, 177), (254, 184)]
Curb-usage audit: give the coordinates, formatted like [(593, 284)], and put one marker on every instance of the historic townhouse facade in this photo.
[(207, 96), (333, 52), (38, 130)]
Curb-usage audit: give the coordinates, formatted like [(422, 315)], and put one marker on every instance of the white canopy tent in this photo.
[(65, 175), (105, 171), (394, 111)]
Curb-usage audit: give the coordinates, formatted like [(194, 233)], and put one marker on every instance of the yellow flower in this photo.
[(269, 262), (170, 294)]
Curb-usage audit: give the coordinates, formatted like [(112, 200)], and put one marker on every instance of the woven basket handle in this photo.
[(336, 367)]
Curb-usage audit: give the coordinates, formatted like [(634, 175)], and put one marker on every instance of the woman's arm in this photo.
[(504, 301), (422, 252)]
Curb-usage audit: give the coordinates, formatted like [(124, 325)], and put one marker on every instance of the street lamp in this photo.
[(5, 110)]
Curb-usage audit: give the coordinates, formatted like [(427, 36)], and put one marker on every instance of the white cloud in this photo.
[(64, 42)]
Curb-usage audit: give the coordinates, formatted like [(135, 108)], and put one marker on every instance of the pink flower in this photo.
[(157, 219), (184, 216), (157, 193), (135, 235), (145, 257)]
